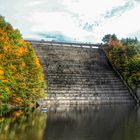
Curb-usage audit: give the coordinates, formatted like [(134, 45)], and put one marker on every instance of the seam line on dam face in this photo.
[(79, 75)]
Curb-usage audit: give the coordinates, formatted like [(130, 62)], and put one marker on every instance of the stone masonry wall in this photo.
[(77, 75)]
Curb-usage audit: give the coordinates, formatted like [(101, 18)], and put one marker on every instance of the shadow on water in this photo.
[(120, 122)]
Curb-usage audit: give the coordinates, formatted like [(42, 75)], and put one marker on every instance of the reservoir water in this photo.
[(118, 122)]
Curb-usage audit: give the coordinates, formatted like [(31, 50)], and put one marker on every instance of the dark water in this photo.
[(73, 123)]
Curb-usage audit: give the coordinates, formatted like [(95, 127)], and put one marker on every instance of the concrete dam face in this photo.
[(79, 75)]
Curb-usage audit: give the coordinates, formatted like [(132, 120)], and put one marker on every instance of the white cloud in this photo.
[(122, 26), (70, 17)]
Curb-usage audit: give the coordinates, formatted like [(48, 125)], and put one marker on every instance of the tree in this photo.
[(21, 75), (133, 71), (117, 54), (107, 38), (125, 57), (132, 46)]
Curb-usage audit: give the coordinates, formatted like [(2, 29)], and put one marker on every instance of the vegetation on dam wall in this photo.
[(124, 55), (21, 76)]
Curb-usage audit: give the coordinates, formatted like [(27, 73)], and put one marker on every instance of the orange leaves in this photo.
[(7, 48), (13, 68), (4, 81), (41, 77), (14, 99), (17, 76), (13, 95), (16, 114), (116, 44), (36, 61), (20, 51), (1, 56), (1, 72)]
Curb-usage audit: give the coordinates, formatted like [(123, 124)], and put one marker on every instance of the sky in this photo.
[(73, 20)]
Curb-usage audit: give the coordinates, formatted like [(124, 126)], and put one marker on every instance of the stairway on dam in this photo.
[(78, 75)]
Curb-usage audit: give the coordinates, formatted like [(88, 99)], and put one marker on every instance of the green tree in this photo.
[(133, 71), (107, 38), (132, 46)]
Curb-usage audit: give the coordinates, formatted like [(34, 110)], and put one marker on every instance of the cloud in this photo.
[(122, 26), (72, 19), (117, 11), (111, 13), (88, 27), (55, 36)]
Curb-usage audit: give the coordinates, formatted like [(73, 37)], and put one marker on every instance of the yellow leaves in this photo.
[(117, 62), (4, 81), (23, 85), (1, 56), (13, 95), (2, 76), (1, 72), (3, 39), (110, 55), (18, 99), (14, 99), (17, 76), (6, 48), (17, 113), (41, 77), (23, 64), (25, 43), (36, 61), (21, 51), (137, 57), (13, 68), (7, 89), (137, 75)]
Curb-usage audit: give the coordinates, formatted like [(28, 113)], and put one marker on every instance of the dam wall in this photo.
[(79, 74)]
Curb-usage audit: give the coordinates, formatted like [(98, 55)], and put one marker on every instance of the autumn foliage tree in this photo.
[(125, 57), (21, 77), (117, 54)]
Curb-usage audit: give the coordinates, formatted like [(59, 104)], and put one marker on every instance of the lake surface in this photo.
[(73, 123)]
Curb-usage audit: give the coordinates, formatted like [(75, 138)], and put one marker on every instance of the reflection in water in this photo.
[(23, 126), (130, 127), (74, 123)]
